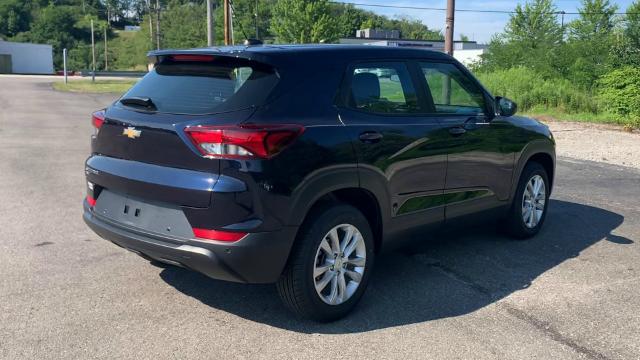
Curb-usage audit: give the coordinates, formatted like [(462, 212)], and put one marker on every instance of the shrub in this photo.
[(619, 92), (530, 90)]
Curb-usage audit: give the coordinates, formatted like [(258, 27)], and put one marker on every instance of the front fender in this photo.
[(533, 148)]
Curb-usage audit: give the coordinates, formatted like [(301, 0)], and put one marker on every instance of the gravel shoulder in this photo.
[(596, 142)]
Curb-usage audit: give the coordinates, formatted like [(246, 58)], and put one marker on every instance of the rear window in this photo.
[(204, 87)]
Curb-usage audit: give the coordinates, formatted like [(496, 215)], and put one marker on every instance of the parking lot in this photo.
[(573, 292)]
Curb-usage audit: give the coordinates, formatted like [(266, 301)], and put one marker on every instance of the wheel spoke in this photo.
[(357, 261), (333, 295), (354, 275), (352, 246), (538, 216), (335, 242), (319, 270), (531, 218), (525, 212), (347, 239), (342, 287), (322, 283), (324, 245), (529, 190)]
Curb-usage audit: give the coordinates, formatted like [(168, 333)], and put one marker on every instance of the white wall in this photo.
[(468, 56), (29, 58)]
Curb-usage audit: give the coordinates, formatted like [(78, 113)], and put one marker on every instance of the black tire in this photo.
[(296, 285), (515, 224)]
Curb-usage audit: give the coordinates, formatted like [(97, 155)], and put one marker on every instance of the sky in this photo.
[(477, 26)]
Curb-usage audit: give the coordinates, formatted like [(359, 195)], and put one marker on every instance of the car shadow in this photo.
[(457, 274)]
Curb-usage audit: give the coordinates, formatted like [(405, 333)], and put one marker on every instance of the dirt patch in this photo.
[(596, 142)]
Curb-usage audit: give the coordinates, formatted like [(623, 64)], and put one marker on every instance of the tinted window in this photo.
[(452, 91), (383, 88), (205, 87)]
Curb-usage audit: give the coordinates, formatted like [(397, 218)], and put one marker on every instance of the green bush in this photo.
[(530, 90), (619, 92)]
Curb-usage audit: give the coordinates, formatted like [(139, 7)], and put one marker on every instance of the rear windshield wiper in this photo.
[(139, 101)]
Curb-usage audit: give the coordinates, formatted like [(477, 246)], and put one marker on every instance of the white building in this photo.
[(467, 52), (25, 58)]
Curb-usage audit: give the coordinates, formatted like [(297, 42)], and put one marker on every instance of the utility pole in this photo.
[(448, 35), (231, 34), (106, 63), (448, 47), (257, 34), (150, 22), (158, 24), (93, 54), (210, 37), (227, 22)]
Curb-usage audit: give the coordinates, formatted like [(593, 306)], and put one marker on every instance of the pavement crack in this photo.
[(552, 333), (457, 276)]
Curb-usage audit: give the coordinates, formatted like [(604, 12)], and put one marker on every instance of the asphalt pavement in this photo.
[(570, 293)]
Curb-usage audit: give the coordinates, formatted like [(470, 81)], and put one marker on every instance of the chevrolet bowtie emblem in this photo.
[(131, 132)]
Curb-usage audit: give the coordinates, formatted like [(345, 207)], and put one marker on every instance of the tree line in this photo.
[(590, 64), (66, 24)]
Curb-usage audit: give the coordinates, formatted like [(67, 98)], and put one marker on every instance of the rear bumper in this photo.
[(257, 258)]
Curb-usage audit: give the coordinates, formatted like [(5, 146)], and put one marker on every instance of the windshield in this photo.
[(188, 87)]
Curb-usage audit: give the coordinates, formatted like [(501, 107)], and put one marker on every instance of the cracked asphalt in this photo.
[(570, 293)]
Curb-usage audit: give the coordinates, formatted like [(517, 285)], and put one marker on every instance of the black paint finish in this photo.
[(418, 172)]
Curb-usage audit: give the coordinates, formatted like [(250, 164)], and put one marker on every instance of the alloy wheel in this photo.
[(533, 201), (339, 264)]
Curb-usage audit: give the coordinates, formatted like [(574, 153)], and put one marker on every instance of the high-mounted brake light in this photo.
[(244, 141), (97, 119), (191, 57), (218, 235)]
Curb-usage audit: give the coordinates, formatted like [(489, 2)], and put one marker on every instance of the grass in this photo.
[(600, 118), (99, 86)]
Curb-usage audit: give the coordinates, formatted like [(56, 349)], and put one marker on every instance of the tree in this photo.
[(597, 19), (304, 21), (413, 29), (591, 39), (532, 38), (183, 25), (632, 25), (15, 17), (55, 25)]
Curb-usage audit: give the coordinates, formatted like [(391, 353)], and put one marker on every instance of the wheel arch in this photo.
[(540, 151)]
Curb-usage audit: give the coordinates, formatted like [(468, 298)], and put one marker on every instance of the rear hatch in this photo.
[(146, 125)]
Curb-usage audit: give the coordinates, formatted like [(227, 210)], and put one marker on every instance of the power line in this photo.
[(560, 12)]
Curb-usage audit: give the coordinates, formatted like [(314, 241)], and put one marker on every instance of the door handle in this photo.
[(370, 137), (457, 131)]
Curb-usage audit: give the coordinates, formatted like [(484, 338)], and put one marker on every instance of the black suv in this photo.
[(298, 165)]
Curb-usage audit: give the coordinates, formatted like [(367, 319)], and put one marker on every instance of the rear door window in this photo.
[(204, 87), (383, 88)]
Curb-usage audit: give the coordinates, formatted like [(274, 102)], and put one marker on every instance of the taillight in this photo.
[(91, 201), (218, 235), (243, 141), (97, 119)]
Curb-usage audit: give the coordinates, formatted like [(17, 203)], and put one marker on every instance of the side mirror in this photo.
[(505, 107)]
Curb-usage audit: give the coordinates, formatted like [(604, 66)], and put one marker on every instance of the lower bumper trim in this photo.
[(257, 258)]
